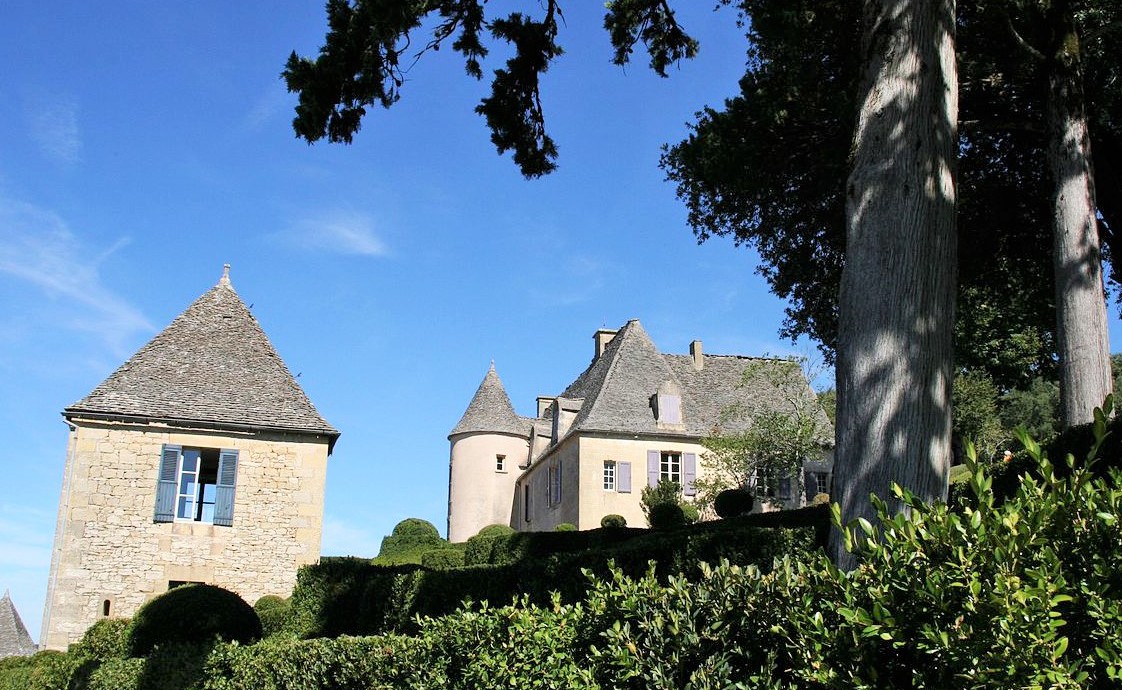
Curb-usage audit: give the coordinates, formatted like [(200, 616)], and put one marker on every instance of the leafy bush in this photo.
[(409, 541), (478, 549), (105, 639), (613, 521), (192, 613), (664, 492), (565, 527), (733, 502), (274, 613), (666, 516), (442, 559)]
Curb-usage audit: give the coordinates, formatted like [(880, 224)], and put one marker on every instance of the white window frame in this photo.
[(670, 466), (191, 495), (500, 463), (609, 475)]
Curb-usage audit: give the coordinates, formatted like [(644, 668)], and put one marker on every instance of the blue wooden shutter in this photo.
[(165, 483), (623, 477), (689, 473), (653, 458), (224, 490)]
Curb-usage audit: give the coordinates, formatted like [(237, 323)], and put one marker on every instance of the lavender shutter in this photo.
[(689, 473), (653, 457), (165, 484), (224, 489), (623, 478)]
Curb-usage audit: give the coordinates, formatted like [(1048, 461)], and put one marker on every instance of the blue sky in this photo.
[(143, 145)]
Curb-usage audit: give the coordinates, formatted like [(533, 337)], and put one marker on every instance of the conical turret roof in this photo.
[(14, 639), (491, 411), (212, 366)]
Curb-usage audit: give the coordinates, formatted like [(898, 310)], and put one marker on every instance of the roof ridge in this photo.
[(212, 365), (490, 410)]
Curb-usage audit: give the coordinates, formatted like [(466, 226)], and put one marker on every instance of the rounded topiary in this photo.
[(666, 516), (690, 513), (820, 499), (407, 536), (194, 613), (274, 613), (565, 527), (443, 559), (105, 639), (495, 531), (613, 521), (732, 502)]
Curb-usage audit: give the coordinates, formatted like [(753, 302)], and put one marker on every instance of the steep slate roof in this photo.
[(212, 366), (14, 639), (617, 388), (491, 411)]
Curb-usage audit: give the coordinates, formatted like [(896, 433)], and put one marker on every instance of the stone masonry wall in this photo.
[(109, 549)]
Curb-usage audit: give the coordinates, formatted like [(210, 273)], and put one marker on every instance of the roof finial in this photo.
[(225, 275)]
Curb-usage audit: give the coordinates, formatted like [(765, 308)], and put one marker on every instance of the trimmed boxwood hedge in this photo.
[(351, 596), (194, 613)]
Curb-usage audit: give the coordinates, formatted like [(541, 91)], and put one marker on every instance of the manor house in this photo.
[(633, 417)]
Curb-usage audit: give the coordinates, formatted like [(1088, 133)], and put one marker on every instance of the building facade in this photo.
[(633, 417), (199, 460)]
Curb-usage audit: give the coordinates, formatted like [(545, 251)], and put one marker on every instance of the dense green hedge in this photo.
[(350, 596)]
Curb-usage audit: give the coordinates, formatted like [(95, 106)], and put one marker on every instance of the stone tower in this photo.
[(199, 460), (490, 448)]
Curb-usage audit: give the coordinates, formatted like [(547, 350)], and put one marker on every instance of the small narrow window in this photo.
[(500, 463), (609, 475), (105, 606), (526, 503)]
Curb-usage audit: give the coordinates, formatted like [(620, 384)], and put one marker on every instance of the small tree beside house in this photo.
[(774, 457)]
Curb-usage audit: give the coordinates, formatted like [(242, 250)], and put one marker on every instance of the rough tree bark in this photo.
[(896, 307), (1081, 322)]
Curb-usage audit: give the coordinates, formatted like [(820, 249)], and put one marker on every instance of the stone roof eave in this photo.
[(72, 413)]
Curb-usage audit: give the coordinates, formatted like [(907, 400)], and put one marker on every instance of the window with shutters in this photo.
[(609, 475), (196, 485), (670, 467)]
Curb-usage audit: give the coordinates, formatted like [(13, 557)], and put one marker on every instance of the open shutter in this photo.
[(653, 457), (165, 483), (224, 489), (689, 473), (623, 480)]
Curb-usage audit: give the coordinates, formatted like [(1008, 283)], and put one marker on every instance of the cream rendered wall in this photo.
[(595, 501), (107, 546), (478, 495), (543, 516)]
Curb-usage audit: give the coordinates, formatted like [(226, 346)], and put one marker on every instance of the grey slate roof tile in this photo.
[(212, 365), (14, 638), (490, 410)]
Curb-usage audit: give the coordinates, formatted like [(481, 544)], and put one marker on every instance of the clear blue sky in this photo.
[(143, 145)]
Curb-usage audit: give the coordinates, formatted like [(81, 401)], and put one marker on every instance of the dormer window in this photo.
[(668, 408)]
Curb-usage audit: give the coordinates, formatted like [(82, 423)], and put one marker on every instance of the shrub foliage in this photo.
[(194, 613)]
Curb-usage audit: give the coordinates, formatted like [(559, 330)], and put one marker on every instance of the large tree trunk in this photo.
[(1081, 325), (896, 307)]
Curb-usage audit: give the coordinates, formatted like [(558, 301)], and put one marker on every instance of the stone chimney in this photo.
[(602, 337), (698, 357), (544, 403)]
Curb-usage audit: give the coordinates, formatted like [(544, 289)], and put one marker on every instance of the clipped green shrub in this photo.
[(442, 559), (565, 527), (105, 639), (122, 674), (665, 491), (274, 613), (194, 613), (478, 549), (733, 502), (408, 542), (613, 521), (666, 516), (690, 513)]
